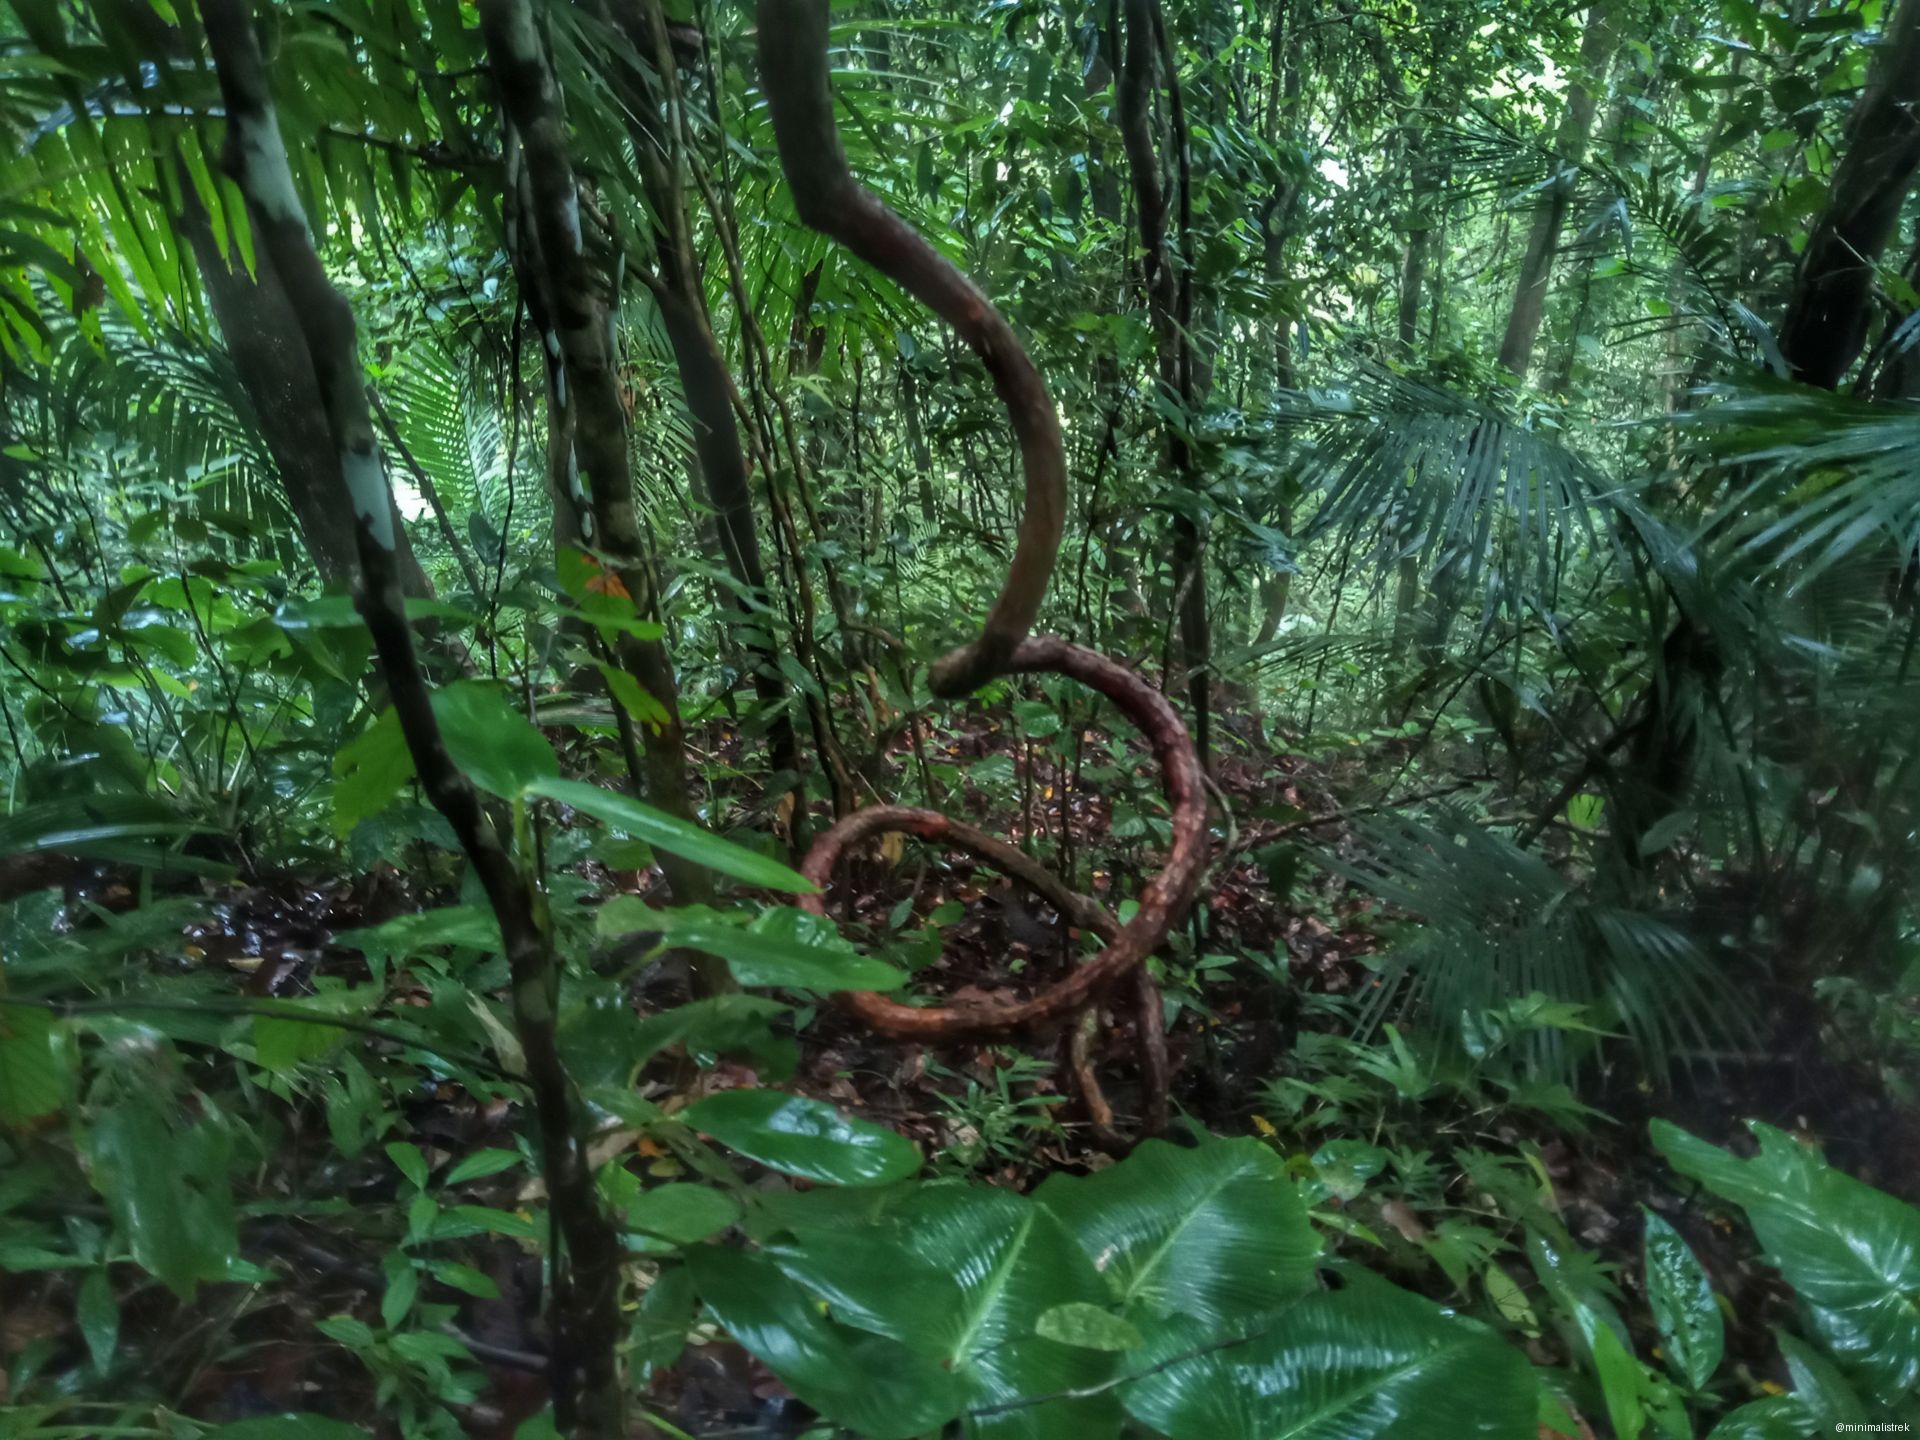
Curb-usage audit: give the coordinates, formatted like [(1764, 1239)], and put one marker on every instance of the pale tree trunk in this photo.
[(1624, 142), (1550, 211), (258, 323)]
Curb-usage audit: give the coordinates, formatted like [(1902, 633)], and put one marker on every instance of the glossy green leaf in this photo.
[(676, 837), (32, 1080), (965, 1277), (684, 1214), (492, 742), (798, 1136), (1365, 1362), (99, 1316), (1087, 1326), (166, 1188), (1820, 1402), (1851, 1252), (1691, 1328), (875, 1386), (1775, 1417), (784, 947), (1213, 1234), (1819, 1385)]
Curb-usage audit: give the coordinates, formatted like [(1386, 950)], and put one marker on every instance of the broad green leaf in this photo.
[(480, 1164), (1821, 1401), (369, 771), (784, 947), (403, 1288), (409, 1161), (721, 1025), (601, 1040), (465, 927), (166, 1188), (491, 742), (280, 1042), (684, 1214), (631, 697), (1776, 1417), (1366, 1362), (32, 1080), (798, 1136), (666, 1315), (1851, 1252), (874, 1386), (1621, 1379), (965, 1280), (464, 1278), (1819, 1385), (1214, 1234), (1691, 1328), (664, 832)]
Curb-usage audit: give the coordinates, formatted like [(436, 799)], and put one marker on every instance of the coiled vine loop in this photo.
[(794, 75)]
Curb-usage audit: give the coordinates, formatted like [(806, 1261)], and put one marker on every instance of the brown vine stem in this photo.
[(793, 72), (586, 1309), (1167, 895)]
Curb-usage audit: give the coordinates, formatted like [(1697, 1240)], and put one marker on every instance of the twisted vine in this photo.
[(794, 75)]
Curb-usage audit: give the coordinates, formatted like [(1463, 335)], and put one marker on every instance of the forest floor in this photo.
[(1256, 957)]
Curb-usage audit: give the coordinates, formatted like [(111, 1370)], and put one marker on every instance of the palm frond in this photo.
[(1499, 921), (1813, 477), (1407, 469)]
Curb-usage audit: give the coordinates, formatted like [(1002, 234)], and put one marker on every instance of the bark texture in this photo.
[(1832, 301)]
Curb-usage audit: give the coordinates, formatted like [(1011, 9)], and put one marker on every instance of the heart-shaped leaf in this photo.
[(1366, 1362), (1213, 1234), (872, 1385), (1851, 1252)]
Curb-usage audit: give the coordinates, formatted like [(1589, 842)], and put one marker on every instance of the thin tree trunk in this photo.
[(588, 393), (1550, 211), (1832, 301), (257, 321), (1168, 303), (589, 1396), (680, 292)]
